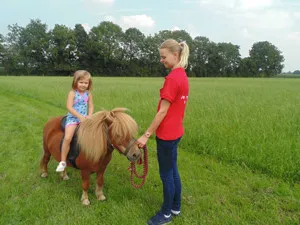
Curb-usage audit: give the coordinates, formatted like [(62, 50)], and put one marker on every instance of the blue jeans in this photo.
[(168, 170)]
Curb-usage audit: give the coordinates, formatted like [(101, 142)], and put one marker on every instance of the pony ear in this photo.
[(112, 114)]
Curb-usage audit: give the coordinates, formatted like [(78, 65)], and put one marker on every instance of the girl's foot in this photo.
[(61, 166)]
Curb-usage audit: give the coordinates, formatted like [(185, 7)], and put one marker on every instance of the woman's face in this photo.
[(169, 59)]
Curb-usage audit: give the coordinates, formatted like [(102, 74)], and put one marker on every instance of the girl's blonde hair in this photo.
[(79, 74), (181, 47)]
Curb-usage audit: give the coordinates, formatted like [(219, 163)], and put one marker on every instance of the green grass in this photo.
[(239, 159)]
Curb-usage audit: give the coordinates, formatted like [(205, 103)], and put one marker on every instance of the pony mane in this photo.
[(93, 132)]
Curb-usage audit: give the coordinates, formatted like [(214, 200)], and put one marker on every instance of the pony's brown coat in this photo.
[(93, 132), (95, 135)]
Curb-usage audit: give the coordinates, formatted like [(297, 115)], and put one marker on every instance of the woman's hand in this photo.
[(142, 141)]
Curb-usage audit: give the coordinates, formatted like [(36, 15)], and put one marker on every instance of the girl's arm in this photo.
[(70, 108), (160, 115), (91, 105)]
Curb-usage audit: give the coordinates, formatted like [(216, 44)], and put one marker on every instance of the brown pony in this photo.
[(97, 137)]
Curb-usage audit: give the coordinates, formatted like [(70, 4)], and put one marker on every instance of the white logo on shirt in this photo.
[(184, 98)]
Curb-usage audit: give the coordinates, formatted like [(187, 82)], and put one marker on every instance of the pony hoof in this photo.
[(44, 175), (66, 178), (86, 202), (101, 198)]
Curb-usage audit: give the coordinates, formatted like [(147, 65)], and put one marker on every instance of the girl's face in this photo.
[(169, 59), (83, 84)]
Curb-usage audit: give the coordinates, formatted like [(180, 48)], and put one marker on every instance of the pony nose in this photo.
[(134, 156)]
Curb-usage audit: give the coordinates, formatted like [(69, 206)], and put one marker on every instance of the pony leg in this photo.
[(99, 187), (64, 175), (85, 177), (44, 162), (100, 178)]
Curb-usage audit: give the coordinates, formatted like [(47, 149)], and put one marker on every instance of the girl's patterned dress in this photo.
[(80, 104)]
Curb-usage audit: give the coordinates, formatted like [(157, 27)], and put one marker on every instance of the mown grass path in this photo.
[(215, 191)]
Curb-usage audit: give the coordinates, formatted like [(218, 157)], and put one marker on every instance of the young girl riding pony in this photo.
[(80, 106)]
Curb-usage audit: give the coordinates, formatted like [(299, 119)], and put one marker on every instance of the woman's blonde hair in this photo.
[(79, 74), (181, 47)]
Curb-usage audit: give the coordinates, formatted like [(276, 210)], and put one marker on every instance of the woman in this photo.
[(167, 124)]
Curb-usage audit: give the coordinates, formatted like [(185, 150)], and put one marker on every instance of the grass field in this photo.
[(239, 159)]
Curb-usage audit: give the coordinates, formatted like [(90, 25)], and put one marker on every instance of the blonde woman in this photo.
[(167, 124)]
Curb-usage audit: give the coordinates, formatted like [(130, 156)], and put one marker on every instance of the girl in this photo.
[(80, 106), (168, 126)]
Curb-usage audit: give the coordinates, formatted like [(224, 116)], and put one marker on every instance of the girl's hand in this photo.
[(82, 118)]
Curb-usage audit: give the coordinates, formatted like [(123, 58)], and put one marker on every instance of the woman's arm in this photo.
[(160, 115)]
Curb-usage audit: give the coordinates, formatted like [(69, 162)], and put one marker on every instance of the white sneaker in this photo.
[(61, 166), (175, 213)]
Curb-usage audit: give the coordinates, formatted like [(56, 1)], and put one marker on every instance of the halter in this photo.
[(132, 167), (114, 146), (133, 140)]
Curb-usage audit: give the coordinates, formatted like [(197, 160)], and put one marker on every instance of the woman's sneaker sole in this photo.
[(175, 213)]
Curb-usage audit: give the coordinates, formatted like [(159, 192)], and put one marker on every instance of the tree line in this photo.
[(107, 50)]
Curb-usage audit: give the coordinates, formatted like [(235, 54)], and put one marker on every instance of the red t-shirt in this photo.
[(176, 91)]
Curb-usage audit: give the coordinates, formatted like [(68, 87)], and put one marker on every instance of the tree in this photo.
[(199, 58), (230, 59), (63, 49), (247, 68), (106, 49), (34, 46), (133, 46), (296, 72), (267, 58), (12, 60), (2, 49), (106, 42), (150, 56), (82, 42)]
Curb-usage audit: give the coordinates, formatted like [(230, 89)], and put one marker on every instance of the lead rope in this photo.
[(133, 171)]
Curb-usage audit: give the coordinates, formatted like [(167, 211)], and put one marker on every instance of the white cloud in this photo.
[(175, 28), (99, 2), (237, 4), (271, 19), (296, 15), (254, 4), (216, 4), (110, 19), (103, 2), (294, 36), (245, 33), (192, 30), (86, 27), (138, 21)]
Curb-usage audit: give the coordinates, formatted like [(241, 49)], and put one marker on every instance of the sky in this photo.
[(240, 22)]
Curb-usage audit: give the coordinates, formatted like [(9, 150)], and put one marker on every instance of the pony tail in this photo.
[(184, 54)]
